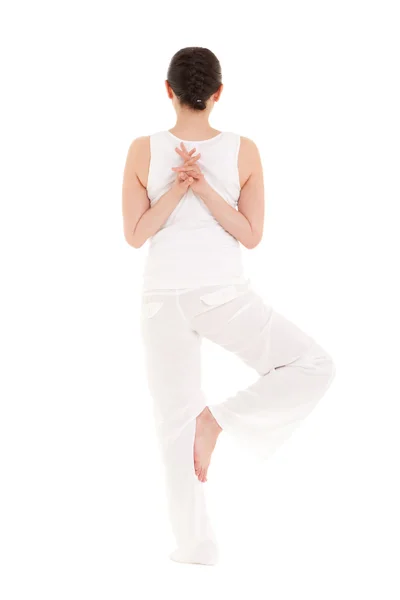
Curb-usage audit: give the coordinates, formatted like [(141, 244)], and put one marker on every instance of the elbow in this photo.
[(254, 235), (252, 242), (135, 243), (133, 240)]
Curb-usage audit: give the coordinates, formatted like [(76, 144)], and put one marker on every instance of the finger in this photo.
[(184, 152), (188, 157), (190, 163), (187, 168), (183, 147), (181, 153), (192, 160), (193, 172)]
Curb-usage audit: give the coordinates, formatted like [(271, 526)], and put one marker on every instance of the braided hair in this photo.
[(194, 74)]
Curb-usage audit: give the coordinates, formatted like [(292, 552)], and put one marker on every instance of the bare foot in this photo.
[(207, 432)]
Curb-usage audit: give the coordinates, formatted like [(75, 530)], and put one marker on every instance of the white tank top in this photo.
[(192, 249)]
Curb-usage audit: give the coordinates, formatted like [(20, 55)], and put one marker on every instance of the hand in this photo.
[(184, 180), (191, 170)]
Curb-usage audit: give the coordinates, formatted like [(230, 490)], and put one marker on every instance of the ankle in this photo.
[(206, 419), (212, 420)]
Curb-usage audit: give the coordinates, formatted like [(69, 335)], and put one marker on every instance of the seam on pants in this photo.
[(178, 304), (241, 309)]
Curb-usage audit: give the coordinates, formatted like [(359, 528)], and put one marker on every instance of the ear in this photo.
[(218, 93), (169, 89)]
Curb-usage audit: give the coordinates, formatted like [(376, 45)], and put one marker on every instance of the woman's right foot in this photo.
[(207, 432), (205, 554)]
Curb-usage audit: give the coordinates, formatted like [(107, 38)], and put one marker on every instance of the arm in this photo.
[(140, 221), (245, 224)]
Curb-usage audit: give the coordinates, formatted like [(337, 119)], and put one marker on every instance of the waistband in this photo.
[(178, 291)]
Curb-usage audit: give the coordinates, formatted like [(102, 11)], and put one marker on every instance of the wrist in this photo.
[(205, 190), (176, 192)]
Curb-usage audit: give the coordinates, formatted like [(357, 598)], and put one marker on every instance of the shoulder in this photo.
[(249, 154), (248, 146), (249, 160), (138, 158), (139, 151), (139, 146)]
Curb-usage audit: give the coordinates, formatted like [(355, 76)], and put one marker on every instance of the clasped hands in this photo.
[(189, 174)]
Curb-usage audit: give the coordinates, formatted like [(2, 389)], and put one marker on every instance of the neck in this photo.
[(193, 124)]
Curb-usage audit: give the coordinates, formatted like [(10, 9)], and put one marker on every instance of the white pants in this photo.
[(293, 374)]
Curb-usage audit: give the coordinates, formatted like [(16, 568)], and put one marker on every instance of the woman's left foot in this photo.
[(207, 432), (205, 553)]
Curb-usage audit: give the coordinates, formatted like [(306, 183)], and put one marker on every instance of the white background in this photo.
[(314, 84)]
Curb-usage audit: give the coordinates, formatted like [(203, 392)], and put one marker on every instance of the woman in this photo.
[(197, 194)]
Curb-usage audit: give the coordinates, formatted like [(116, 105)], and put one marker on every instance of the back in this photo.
[(192, 249)]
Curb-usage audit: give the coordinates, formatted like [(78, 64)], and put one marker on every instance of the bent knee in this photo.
[(328, 366), (332, 365)]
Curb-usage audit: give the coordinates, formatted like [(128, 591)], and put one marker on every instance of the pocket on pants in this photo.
[(149, 309), (220, 296)]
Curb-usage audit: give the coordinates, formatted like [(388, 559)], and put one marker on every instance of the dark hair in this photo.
[(194, 74)]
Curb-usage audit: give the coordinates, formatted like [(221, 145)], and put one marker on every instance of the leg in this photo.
[(172, 358), (294, 371)]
